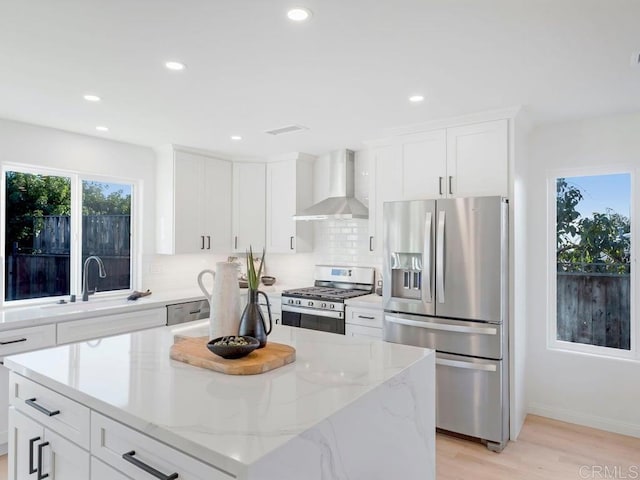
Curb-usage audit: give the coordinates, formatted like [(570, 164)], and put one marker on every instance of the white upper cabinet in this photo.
[(193, 203), (477, 159), (385, 177), (463, 161), (249, 213), (424, 165), (289, 190)]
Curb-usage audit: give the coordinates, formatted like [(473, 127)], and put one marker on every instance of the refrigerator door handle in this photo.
[(442, 326), (440, 257), (468, 365), (426, 272)]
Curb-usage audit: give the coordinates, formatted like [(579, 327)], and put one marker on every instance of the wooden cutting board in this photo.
[(194, 351)]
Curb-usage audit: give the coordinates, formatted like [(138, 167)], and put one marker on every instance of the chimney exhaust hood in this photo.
[(341, 204)]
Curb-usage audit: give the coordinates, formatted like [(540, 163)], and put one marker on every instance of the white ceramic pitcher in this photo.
[(224, 300)]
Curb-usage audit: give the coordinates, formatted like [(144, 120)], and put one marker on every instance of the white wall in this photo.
[(46, 147), (589, 390)]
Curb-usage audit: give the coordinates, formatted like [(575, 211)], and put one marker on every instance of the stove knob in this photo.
[(310, 303), (324, 305), (331, 305), (290, 301), (297, 302)]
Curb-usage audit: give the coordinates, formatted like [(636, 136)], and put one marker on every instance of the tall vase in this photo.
[(252, 321), (224, 299)]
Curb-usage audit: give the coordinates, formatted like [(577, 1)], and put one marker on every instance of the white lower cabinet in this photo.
[(133, 453), (363, 322), (37, 452), (101, 471), (99, 327)]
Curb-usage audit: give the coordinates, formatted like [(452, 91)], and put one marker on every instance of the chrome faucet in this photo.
[(101, 272)]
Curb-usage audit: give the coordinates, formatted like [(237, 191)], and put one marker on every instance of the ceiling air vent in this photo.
[(287, 129)]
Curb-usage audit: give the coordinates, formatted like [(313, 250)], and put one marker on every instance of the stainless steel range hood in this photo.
[(341, 204)]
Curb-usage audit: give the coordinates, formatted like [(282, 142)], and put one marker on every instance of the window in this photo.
[(43, 213), (592, 268)]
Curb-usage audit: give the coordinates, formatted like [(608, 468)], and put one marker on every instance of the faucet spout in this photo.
[(102, 273)]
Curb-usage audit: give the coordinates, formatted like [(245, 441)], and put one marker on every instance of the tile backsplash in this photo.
[(341, 242)]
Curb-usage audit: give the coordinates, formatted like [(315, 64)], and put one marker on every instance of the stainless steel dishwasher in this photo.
[(187, 312)]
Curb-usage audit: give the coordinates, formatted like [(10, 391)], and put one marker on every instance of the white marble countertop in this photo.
[(51, 312), (365, 301), (227, 421)]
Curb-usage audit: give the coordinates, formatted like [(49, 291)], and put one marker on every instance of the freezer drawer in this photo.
[(469, 397), (477, 339)]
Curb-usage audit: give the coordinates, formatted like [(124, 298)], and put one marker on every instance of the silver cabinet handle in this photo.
[(371, 243), (442, 326), (291, 243), (440, 257), (208, 242), (236, 243), (365, 317), (450, 187), (426, 272), (202, 238), (471, 366), (440, 185)]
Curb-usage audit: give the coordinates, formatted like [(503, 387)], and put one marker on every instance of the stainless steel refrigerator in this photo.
[(446, 287)]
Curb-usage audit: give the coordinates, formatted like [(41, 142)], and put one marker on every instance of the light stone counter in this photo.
[(50, 312), (365, 301), (346, 408)]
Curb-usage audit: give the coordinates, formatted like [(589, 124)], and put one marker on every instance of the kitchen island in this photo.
[(346, 408)]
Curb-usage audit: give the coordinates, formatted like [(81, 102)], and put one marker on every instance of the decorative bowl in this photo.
[(267, 280), (232, 351)]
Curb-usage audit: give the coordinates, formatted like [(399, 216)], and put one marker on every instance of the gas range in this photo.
[(321, 307)]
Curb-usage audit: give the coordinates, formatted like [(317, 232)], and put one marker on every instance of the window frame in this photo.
[(75, 250), (552, 321)]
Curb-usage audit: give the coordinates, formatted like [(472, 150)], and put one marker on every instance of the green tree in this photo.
[(30, 198), (97, 200), (602, 238)]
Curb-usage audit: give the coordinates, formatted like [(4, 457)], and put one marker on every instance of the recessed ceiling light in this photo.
[(299, 14), (92, 98), (236, 137), (175, 66), (416, 98), (102, 128)]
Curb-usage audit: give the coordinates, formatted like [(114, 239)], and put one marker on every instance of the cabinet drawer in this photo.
[(34, 400), (24, 339), (361, 331), (111, 442), (100, 471), (365, 317), (100, 327)]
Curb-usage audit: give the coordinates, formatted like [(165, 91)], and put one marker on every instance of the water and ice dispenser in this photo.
[(406, 275)]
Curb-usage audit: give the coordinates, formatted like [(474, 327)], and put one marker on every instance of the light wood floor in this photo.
[(546, 450)]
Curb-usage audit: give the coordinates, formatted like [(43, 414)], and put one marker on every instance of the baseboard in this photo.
[(594, 421)]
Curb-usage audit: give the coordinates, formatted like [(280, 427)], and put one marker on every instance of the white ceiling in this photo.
[(346, 74)]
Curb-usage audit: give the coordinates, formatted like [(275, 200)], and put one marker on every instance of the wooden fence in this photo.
[(46, 271), (594, 309)]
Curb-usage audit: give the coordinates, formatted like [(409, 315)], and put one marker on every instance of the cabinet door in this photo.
[(188, 228), (281, 206), (216, 205), (63, 460), (25, 435), (424, 165), (477, 159), (248, 206), (363, 332), (386, 184)]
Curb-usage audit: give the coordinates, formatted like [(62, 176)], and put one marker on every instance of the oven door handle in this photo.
[(312, 311), (441, 326)]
